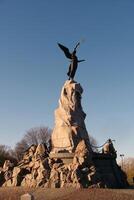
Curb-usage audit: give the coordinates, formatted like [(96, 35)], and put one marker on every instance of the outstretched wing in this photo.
[(78, 44), (66, 50), (81, 60)]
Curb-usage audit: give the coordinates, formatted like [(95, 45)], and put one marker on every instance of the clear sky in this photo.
[(33, 68)]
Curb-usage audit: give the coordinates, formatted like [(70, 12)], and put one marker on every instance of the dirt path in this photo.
[(14, 193)]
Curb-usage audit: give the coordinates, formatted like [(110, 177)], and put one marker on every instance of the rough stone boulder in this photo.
[(82, 156), (32, 171)]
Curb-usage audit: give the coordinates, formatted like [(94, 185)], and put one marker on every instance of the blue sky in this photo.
[(33, 68)]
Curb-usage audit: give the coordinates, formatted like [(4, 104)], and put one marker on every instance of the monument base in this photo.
[(56, 170), (66, 158)]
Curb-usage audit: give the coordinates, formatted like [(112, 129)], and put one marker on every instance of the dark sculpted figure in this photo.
[(74, 60)]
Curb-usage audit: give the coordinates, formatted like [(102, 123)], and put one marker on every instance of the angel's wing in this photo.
[(81, 60), (78, 44), (66, 50)]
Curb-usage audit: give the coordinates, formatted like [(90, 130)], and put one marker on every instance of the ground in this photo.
[(14, 193)]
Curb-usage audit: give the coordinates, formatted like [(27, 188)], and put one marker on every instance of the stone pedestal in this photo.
[(65, 157), (69, 127)]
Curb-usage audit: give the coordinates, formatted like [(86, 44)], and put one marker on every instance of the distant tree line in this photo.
[(128, 167), (35, 136), (6, 153)]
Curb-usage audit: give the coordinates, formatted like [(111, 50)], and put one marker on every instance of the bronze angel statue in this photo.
[(74, 60)]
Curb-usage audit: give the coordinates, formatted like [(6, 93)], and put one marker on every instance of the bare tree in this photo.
[(34, 136), (93, 143), (20, 148), (6, 154), (37, 135), (128, 167)]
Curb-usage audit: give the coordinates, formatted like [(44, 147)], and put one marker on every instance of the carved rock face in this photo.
[(69, 127)]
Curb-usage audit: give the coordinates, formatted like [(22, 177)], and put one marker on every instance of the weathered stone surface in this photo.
[(69, 119), (7, 183), (108, 148), (66, 158), (41, 151), (7, 165), (82, 156), (28, 181), (27, 197), (16, 178)]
